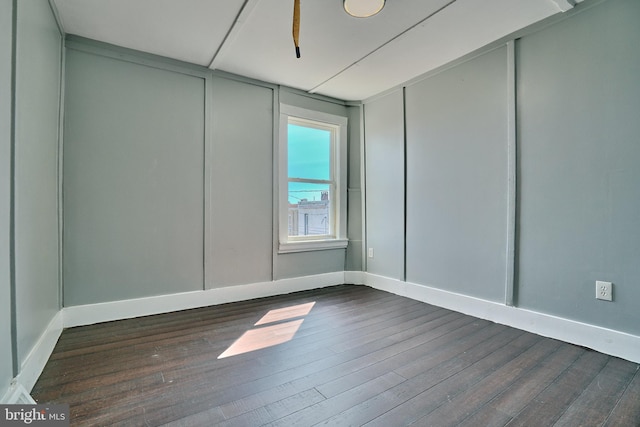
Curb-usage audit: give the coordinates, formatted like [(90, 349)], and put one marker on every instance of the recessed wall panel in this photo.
[(384, 153), (37, 114), (579, 151), (456, 125), (133, 180), (242, 191)]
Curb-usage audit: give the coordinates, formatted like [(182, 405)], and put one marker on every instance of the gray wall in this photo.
[(578, 194), (579, 199), (384, 133), (168, 178), (457, 178), (36, 172), (242, 184), (133, 180), (6, 38)]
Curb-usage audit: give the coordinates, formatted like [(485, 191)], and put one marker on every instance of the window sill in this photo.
[(312, 245)]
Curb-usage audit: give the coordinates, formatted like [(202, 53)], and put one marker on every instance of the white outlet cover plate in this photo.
[(604, 290)]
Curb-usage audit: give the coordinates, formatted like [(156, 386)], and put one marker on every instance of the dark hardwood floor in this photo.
[(358, 357)]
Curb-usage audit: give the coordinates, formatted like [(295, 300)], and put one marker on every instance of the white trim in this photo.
[(89, 314), (39, 355), (339, 176), (311, 245), (125, 309), (355, 277), (17, 395), (615, 343), (305, 113), (608, 341)]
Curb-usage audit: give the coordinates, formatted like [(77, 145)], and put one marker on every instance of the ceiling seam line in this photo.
[(236, 22), (317, 87)]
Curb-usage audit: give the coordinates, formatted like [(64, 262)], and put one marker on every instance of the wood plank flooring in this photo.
[(338, 356)]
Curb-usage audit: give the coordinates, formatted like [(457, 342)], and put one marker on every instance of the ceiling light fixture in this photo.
[(363, 8)]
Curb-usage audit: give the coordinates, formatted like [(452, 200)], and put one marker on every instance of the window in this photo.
[(312, 185)]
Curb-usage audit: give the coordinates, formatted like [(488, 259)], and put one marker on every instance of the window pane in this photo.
[(309, 152), (309, 209)]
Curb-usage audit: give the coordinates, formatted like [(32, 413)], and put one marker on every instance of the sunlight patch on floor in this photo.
[(286, 313), (269, 336)]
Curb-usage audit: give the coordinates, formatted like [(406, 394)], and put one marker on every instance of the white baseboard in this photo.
[(103, 312), (17, 395), (116, 310), (39, 355), (355, 277), (608, 341)]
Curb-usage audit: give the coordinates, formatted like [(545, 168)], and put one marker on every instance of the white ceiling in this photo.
[(343, 57)]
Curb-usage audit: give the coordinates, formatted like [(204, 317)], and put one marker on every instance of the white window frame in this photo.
[(338, 239)]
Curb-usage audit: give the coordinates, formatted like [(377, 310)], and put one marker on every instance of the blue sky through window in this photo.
[(309, 151)]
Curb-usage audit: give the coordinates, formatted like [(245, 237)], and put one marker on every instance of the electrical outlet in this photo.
[(370, 253), (604, 290)]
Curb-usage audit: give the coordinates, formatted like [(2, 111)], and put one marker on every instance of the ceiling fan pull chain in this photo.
[(296, 26)]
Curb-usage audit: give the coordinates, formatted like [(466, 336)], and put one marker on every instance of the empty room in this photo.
[(320, 212)]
